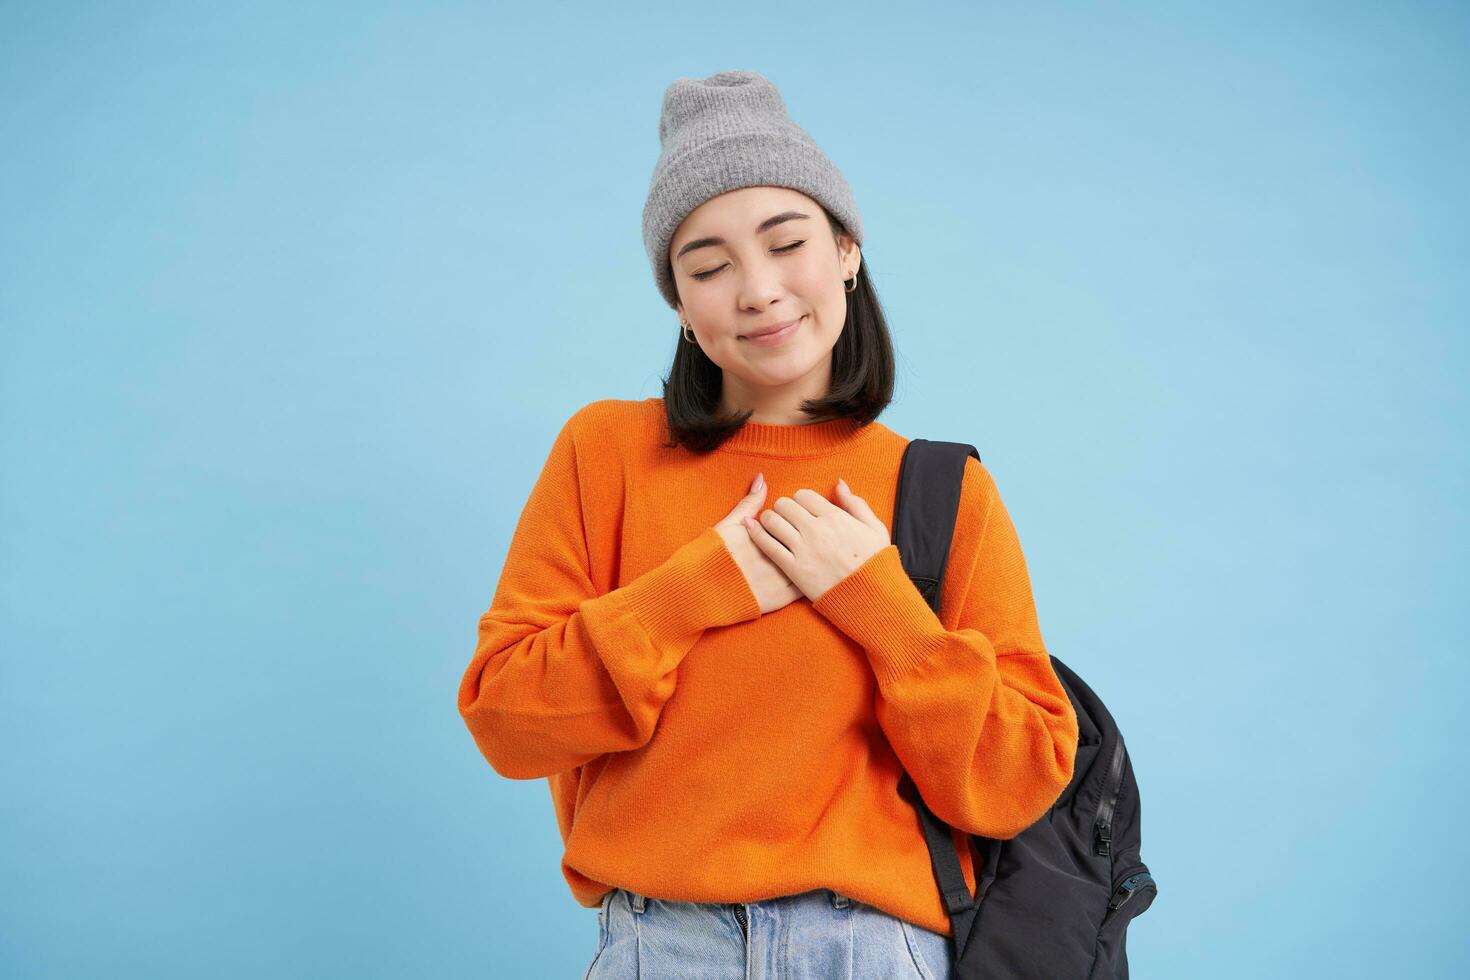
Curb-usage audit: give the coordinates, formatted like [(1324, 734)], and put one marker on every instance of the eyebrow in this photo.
[(769, 223)]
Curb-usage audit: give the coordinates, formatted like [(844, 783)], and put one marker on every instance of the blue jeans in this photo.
[(816, 935)]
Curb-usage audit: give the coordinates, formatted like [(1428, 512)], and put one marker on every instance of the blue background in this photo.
[(295, 298)]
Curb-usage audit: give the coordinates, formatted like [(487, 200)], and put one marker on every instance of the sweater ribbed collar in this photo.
[(790, 441)]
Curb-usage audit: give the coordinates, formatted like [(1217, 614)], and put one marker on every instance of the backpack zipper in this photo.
[(1136, 883), (1128, 889), (1102, 828)]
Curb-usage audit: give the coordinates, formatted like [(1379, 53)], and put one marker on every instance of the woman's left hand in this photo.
[(816, 542)]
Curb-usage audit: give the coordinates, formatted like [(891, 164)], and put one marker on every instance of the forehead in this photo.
[(736, 213)]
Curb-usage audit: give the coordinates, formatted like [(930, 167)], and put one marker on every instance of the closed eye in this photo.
[(701, 276)]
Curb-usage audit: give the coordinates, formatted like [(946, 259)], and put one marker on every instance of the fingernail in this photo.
[(842, 483), (760, 481)]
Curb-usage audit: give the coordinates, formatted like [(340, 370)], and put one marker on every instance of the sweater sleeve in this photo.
[(973, 710), (562, 674)]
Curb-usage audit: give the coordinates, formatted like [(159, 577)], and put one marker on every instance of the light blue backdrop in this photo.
[(295, 298)]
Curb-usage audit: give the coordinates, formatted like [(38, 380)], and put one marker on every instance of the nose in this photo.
[(761, 287)]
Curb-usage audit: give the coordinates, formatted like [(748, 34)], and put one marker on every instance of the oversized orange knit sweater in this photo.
[(700, 751)]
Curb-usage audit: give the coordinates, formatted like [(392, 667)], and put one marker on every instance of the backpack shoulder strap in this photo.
[(927, 502), (924, 510)]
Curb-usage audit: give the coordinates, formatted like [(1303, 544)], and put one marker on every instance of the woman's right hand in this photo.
[(771, 586)]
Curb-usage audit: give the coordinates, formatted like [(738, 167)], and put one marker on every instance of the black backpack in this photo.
[(1054, 902)]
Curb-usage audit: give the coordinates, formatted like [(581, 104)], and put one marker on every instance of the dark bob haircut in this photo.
[(860, 389)]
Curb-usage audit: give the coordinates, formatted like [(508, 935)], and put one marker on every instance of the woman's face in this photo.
[(753, 258)]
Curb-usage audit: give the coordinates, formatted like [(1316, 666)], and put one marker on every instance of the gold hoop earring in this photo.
[(852, 283)]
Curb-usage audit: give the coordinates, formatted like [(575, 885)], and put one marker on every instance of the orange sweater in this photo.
[(700, 751)]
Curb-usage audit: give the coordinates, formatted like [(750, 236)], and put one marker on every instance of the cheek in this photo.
[(813, 277), (700, 306), (830, 309), (821, 290)]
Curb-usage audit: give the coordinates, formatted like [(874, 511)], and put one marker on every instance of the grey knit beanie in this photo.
[(723, 132)]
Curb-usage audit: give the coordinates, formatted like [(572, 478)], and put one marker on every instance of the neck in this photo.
[(775, 405)]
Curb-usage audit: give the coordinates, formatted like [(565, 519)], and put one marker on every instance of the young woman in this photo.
[(703, 636)]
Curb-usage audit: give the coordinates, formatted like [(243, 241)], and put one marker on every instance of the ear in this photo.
[(850, 255)]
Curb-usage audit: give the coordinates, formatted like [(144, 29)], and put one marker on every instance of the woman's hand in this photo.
[(771, 586), (816, 542)]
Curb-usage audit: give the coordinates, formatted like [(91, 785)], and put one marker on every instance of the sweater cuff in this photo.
[(698, 587), (878, 606)]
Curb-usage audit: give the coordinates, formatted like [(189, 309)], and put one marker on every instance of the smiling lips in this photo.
[(775, 335)]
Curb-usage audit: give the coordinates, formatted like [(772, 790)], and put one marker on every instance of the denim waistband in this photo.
[(638, 902)]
